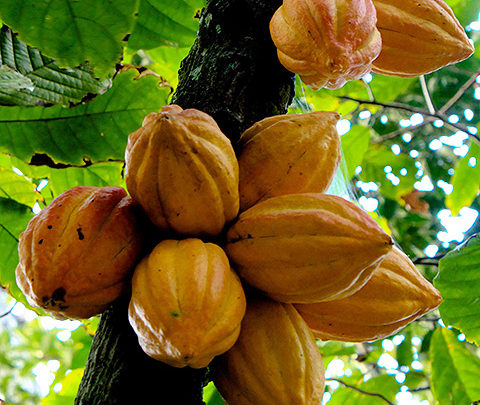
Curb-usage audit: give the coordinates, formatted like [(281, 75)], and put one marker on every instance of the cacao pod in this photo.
[(77, 254), (395, 295), (305, 248), (287, 154), (183, 171), (187, 303), (418, 37), (274, 361), (326, 42)]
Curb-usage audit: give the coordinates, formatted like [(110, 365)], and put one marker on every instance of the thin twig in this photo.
[(459, 94), (9, 311), (426, 94), (406, 107), (372, 394), (419, 389)]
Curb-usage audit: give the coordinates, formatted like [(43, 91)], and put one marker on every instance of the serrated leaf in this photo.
[(13, 220), (11, 80), (455, 370), (354, 145), (465, 181), (166, 22), (96, 131), (44, 82), (459, 284), (73, 32)]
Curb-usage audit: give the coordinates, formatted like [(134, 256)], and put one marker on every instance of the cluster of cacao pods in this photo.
[(318, 264), (328, 43)]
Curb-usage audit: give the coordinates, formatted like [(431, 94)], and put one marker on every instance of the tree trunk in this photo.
[(232, 73)]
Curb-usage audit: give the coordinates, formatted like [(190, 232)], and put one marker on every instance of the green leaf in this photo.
[(40, 80), (73, 32), (166, 22), (11, 80), (16, 187), (455, 370), (354, 145), (69, 389), (405, 350), (465, 181), (13, 220), (166, 62), (384, 385), (96, 131), (388, 88), (459, 284), (211, 396), (375, 161)]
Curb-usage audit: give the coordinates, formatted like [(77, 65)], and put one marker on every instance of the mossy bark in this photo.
[(232, 73)]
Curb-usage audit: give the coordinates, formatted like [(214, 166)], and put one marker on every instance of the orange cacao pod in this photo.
[(306, 248), (395, 295), (288, 154), (76, 255), (274, 361), (326, 42), (418, 37), (183, 171), (187, 303)]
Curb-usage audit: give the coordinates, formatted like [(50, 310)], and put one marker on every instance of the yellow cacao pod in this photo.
[(326, 42), (305, 248), (183, 171), (418, 37), (187, 303), (395, 295), (274, 361), (288, 154), (77, 254)]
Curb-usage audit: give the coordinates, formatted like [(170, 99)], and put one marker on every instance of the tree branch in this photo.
[(459, 94), (426, 94), (9, 311), (409, 108), (352, 387)]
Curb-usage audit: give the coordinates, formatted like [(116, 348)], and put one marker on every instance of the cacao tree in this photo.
[(76, 78)]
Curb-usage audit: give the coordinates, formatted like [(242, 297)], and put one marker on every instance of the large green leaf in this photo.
[(354, 145), (465, 181), (13, 220), (71, 31), (96, 131), (455, 370), (459, 283), (36, 79), (166, 22), (16, 187)]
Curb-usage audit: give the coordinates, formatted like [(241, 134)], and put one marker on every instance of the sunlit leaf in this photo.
[(16, 187), (211, 396), (354, 145), (455, 370), (13, 220), (459, 284), (69, 389), (73, 32), (166, 22), (466, 180), (96, 131)]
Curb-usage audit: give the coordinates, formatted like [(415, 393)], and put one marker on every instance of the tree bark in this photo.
[(233, 74)]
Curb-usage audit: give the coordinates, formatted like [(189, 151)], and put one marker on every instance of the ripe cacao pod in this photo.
[(286, 154), (77, 254), (418, 37), (183, 171), (304, 248), (274, 361), (395, 295), (187, 303), (326, 42)]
